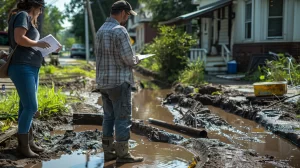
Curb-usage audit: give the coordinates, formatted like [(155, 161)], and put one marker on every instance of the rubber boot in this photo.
[(32, 145), (123, 154), (23, 146), (109, 148)]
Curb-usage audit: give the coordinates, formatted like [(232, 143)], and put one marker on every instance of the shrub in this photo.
[(193, 74), (170, 49)]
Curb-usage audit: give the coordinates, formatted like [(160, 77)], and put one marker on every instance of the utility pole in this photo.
[(92, 25), (101, 9), (86, 22)]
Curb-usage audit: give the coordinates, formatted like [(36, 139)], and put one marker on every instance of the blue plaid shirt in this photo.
[(114, 55)]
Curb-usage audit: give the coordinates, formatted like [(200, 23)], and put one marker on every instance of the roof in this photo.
[(202, 10)]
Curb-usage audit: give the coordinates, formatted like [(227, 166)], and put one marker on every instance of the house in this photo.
[(140, 29), (236, 29)]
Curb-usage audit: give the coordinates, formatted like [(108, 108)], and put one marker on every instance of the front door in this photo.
[(206, 33)]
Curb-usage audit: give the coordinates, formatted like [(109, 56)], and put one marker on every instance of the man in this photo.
[(115, 59)]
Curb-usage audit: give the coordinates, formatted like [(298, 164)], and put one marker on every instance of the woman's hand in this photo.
[(60, 47), (43, 44)]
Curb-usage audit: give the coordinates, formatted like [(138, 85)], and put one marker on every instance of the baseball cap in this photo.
[(123, 5), (40, 2)]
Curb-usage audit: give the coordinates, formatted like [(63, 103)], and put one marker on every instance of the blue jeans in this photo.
[(117, 112), (26, 80)]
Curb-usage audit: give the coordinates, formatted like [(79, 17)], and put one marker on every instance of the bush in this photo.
[(277, 71), (170, 49), (193, 74), (51, 102)]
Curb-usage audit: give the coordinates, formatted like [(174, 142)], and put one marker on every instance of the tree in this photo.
[(6, 7), (75, 13), (53, 19), (164, 10)]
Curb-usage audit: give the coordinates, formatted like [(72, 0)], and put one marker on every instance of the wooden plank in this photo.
[(8, 134), (193, 131), (87, 119)]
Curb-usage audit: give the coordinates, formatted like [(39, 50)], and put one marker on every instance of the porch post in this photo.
[(229, 23)]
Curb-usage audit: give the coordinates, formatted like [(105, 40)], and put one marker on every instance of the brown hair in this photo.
[(24, 5)]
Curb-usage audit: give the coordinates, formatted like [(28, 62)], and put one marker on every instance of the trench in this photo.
[(145, 104), (244, 133)]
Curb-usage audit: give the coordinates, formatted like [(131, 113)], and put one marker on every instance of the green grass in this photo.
[(83, 69), (51, 102), (193, 74)]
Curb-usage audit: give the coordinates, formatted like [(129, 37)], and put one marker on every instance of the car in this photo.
[(4, 41), (78, 50)]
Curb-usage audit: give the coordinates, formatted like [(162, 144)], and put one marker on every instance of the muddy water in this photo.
[(155, 154), (249, 135)]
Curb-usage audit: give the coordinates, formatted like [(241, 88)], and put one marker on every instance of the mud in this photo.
[(55, 145), (193, 112)]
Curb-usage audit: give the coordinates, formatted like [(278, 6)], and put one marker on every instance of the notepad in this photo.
[(54, 45), (144, 56)]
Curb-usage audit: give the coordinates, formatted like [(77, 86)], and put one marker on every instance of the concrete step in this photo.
[(214, 59), (215, 68), (217, 63), (216, 72)]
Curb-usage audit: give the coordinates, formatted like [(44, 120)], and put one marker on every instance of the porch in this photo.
[(213, 25)]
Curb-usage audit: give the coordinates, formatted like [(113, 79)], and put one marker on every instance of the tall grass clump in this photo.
[(193, 74)]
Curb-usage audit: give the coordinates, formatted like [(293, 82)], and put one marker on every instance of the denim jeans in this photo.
[(117, 112), (26, 80)]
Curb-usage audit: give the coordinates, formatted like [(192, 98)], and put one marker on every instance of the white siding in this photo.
[(291, 22), (296, 36)]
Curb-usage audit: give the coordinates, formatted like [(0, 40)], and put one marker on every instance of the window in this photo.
[(275, 20), (248, 20)]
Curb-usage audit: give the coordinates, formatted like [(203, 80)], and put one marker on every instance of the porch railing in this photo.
[(198, 53), (225, 53)]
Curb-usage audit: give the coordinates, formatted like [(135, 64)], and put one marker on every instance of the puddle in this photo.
[(155, 154), (249, 135)]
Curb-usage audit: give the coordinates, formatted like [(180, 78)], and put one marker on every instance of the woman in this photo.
[(24, 68)]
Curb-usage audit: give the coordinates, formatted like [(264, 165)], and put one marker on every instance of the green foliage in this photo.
[(193, 74), (75, 13), (150, 63), (277, 71), (217, 93), (170, 49), (168, 9), (257, 75), (51, 102), (6, 7), (53, 20), (83, 70)]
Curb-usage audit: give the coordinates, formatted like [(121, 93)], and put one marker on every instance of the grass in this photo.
[(51, 101), (83, 69), (193, 74)]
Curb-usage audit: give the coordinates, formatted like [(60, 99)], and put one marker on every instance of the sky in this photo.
[(60, 4)]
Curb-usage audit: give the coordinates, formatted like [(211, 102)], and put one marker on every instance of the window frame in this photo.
[(275, 17), (248, 21)]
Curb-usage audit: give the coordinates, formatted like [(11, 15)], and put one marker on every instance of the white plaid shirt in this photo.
[(114, 55)]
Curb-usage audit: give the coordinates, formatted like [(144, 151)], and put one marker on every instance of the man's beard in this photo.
[(124, 22)]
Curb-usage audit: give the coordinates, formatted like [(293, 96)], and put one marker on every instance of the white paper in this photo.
[(54, 45), (144, 56)]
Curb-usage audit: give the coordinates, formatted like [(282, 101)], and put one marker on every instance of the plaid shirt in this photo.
[(114, 55)]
